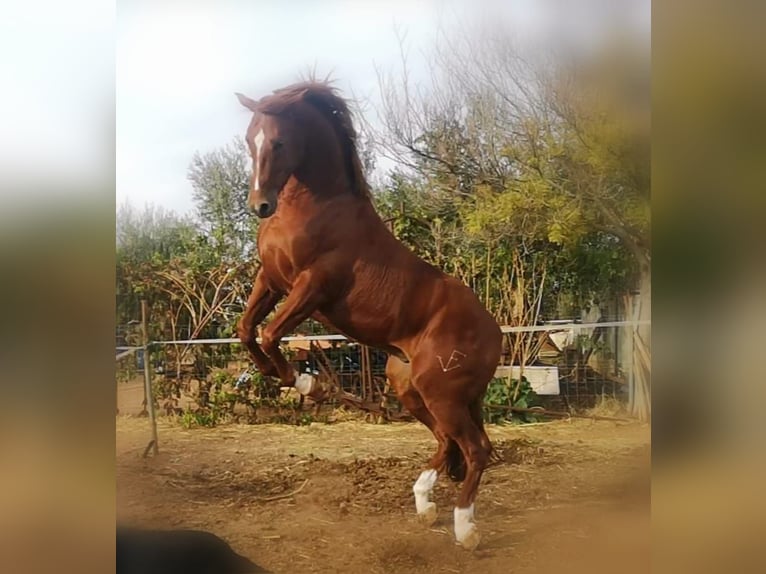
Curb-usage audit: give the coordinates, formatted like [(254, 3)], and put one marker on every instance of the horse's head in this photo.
[(276, 146), (305, 127)]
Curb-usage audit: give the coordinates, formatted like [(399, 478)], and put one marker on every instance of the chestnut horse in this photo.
[(325, 250)]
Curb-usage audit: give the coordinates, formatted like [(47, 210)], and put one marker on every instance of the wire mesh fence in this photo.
[(562, 367)]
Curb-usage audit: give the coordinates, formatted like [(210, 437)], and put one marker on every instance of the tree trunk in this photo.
[(641, 365), (645, 295)]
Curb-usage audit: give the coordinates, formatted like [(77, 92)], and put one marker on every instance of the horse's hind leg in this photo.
[(398, 374), (457, 420)]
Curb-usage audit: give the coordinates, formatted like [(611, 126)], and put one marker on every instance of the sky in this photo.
[(178, 65), (57, 65)]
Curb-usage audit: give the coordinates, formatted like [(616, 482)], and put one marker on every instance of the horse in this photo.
[(327, 252)]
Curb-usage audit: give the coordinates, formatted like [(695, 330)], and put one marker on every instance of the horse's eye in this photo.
[(277, 144)]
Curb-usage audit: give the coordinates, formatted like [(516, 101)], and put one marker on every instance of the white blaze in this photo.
[(258, 141)]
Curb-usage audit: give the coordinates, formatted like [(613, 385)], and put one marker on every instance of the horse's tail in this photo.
[(455, 463), (455, 466)]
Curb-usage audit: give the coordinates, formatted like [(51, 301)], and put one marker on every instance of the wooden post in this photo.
[(363, 371), (373, 388), (148, 380), (489, 262)]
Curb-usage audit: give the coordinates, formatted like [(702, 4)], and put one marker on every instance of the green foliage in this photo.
[(477, 237), (512, 158), (219, 396), (221, 377), (535, 216), (147, 240), (265, 389), (500, 395), (305, 419), (198, 418)]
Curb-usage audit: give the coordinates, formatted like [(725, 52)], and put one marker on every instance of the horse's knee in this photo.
[(478, 454), (246, 335), (471, 446), (269, 343), (412, 402)]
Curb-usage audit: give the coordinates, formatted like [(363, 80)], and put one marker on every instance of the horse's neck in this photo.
[(301, 190), (323, 169), (321, 179), (323, 174)]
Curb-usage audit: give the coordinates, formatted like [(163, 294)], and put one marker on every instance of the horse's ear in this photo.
[(249, 103)]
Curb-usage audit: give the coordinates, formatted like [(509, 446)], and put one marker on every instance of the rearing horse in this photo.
[(325, 250)]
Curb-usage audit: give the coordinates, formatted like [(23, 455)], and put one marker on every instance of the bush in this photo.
[(500, 396)]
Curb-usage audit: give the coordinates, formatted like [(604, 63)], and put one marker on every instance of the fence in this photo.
[(569, 365)]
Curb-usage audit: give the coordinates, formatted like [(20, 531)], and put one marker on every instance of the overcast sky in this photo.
[(57, 65), (179, 64)]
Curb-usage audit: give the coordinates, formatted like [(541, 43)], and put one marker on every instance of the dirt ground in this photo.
[(569, 496)]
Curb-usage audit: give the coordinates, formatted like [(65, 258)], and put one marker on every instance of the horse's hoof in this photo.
[(471, 538), (428, 515)]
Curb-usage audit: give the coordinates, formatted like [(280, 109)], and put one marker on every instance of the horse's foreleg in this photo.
[(260, 303), (297, 307), (398, 375)]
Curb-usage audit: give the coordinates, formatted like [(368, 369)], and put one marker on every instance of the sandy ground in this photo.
[(568, 497)]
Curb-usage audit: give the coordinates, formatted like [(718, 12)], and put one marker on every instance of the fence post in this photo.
[(148, 380)]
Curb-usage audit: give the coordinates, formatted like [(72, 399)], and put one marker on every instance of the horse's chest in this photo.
[(283, 259), (279, 269)]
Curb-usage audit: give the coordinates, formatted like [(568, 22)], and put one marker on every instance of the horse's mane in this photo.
[(325, 99)]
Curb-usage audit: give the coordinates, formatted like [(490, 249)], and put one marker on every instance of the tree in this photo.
[(200, 290), (146, 240), (541, 166), (167, 260), (220, 182), (529, 153)]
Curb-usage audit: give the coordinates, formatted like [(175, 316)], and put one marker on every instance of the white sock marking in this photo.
[(304, 383), (422, 489), (463, 522)]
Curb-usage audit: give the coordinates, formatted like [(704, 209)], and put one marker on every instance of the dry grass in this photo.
[(342, 414), (607, 407)]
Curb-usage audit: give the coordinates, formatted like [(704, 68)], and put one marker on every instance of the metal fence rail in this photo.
[(505, 329)]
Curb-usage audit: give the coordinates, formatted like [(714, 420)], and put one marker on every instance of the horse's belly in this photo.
[(371, 333), (370, 337)]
